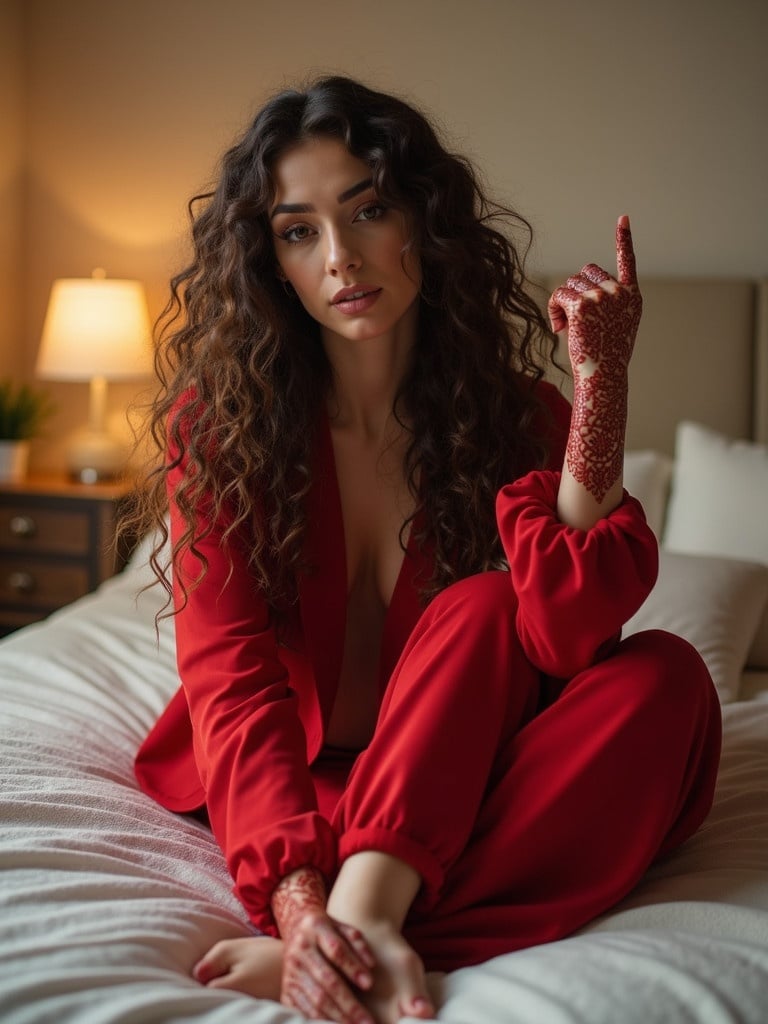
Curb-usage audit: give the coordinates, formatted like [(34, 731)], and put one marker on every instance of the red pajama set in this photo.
[(528, 764)]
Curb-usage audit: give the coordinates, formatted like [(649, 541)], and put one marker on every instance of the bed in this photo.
[(106, 900)]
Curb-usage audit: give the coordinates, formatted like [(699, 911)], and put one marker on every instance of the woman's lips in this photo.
[(352, 301)]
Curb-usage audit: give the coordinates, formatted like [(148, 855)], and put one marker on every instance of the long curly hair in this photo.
[(243, 374)]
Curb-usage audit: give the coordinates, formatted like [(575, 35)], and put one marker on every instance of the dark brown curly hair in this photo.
[(243, 372)]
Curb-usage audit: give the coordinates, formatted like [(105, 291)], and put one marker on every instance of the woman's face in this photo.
[(340, 249)]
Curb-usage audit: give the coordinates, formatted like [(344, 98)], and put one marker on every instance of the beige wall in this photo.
[(12, 247), (576, 113)]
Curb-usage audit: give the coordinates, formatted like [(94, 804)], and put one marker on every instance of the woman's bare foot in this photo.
[(399, 985), (253, 965), (372, 892)]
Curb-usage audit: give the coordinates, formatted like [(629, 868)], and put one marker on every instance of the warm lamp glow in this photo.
[(96, 329)]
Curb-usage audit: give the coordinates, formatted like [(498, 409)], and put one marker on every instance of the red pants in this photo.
[(525, 816)]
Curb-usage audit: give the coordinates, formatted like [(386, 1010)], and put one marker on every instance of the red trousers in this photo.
[(527, 808)]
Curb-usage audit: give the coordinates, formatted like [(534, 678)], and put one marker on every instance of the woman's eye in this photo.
[(372, 212), (297, 233)]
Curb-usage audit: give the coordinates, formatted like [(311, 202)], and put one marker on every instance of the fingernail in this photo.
[(363, 980)]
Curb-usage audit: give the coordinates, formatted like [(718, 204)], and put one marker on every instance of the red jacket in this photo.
[(251, 714)]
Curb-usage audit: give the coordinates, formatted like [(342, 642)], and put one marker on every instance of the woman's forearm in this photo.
[(592, 480)]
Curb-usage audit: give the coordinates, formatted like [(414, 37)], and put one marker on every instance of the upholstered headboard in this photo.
[(701, 355)]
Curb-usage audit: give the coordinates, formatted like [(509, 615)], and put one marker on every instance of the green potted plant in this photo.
[(23, 410)]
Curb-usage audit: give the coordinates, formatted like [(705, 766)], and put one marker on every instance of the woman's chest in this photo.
[(376, 505)]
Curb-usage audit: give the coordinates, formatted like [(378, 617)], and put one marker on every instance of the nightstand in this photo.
[(57, 542)]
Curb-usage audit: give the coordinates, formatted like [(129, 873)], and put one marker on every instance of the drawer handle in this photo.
[(23, 526), (21, 582)]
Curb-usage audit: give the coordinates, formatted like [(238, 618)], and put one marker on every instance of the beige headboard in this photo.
[(702, 355)]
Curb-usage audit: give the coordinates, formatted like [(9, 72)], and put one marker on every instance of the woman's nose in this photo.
[(342, 255)]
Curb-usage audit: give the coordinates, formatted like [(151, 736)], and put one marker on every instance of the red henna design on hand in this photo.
[(297, 893), (322, 956), (602, 316)]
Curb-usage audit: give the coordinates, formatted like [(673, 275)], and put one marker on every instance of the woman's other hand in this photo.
[(324, 960)]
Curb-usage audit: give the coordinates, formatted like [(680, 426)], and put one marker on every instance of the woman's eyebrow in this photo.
[(350, 193), (361, 186)]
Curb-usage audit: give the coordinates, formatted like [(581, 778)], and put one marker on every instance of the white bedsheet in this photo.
[(106, 900)]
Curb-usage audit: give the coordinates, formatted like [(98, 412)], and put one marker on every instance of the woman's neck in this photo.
[(366, 378)]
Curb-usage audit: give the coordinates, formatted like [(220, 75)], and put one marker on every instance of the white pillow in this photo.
[(713, 603), (647, 475), (719, 504)]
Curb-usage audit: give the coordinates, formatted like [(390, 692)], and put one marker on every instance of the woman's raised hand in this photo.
[(601, 314)]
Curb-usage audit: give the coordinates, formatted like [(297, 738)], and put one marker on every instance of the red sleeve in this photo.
[(575, 588), (249, 743)]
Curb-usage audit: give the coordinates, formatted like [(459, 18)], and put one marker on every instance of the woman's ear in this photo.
[(283, 279)]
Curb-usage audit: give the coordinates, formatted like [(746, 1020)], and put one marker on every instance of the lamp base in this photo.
[(94, 456)]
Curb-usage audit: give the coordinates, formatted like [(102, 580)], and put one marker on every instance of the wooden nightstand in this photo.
[(56, 544)]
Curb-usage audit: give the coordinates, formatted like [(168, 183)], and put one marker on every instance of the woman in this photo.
[(400, 568)]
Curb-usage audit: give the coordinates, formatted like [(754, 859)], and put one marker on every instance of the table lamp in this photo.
[(96, 329)]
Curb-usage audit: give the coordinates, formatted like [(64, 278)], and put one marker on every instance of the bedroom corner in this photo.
[(112, 115)]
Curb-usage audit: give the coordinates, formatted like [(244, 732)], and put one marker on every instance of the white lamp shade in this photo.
[(95, 327)]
